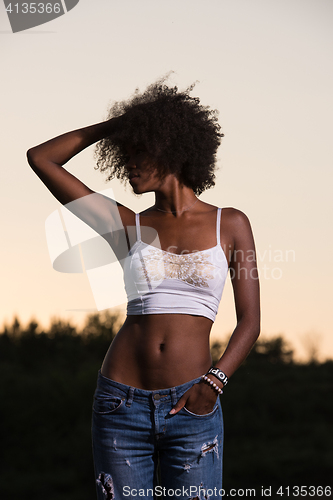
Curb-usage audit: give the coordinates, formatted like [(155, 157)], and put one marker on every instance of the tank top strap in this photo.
[(137, 226), (218, 226)]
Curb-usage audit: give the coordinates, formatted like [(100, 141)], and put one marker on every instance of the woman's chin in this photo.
[(137, 189)]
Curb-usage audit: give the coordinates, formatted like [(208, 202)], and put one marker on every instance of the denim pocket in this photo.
[(203, 415), (106, 405)]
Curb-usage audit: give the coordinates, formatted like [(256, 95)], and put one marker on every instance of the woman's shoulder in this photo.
[(231, 214), (234, 214), (234, 220)]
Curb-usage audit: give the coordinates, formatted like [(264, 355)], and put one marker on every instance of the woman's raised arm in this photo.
[(47, 160)]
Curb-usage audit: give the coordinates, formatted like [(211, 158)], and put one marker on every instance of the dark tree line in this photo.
[(277, 413)]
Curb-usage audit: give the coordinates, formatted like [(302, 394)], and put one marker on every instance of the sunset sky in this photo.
[(266, 65)]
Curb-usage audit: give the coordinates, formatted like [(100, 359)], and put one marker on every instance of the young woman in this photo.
[(157, 419)]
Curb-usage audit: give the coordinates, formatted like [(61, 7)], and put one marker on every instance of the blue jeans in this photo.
[(142, 451)]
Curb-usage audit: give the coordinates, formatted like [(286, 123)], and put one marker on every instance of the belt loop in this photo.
[(174, 398), (130, 396)]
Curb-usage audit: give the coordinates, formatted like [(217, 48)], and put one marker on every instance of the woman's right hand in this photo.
[(199, 399)]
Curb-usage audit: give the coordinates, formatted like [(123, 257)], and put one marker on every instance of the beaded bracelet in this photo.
[(216, 387)]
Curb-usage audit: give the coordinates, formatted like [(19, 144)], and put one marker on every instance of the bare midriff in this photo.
[(157, 351)]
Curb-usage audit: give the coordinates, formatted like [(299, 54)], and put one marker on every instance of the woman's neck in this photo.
[(175, 199)]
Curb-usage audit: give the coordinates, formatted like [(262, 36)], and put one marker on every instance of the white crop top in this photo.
[(160, 282)]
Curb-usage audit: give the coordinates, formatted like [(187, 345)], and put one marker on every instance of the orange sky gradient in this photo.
[(265, 65)]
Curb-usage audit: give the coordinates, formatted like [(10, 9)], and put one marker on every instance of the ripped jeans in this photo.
[(142, 451)]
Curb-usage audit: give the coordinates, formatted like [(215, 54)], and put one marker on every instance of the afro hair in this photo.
[(179, 133)]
